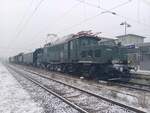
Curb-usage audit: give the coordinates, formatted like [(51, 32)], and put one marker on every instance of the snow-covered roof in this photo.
[(133, 35), (71, 37)]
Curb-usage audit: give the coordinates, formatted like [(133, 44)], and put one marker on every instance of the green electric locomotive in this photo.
[(85, 55), (82, 54)]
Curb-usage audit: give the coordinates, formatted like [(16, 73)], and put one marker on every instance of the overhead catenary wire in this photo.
[(29, 18), (105, 11), (87, 19), (60, 17), (93, 17), (56, 20), (98, 6), (21, 21), (25, 14)]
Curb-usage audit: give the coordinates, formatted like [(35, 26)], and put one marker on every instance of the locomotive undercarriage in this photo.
[(89, 70)]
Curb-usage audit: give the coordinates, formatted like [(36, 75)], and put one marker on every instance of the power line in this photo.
[(25, 13), (27, 21), (21, 21), (105, 11), (59, 18), (98, 6), (93, 17), (29, 18), (133, 20)]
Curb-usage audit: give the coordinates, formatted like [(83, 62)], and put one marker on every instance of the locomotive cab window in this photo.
[(84, 42), (93, 42), (88, 41), (65, 47), (71, 45), (97, 53)]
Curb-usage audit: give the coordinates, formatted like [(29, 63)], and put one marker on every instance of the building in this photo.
[(138, 51), (145, 56), (130, 39)]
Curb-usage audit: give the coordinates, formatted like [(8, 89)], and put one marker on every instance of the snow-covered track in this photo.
[(132, 85), (137, 75), (130, 108), (52, 92)]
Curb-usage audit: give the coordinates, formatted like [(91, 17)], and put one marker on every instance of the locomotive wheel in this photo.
[(92, 72)]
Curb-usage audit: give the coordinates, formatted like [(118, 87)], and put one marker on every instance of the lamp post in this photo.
[(125, 24)]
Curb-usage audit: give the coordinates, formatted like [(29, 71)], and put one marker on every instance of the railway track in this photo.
[(79, 105), (94, 84), (132, 85), (140, 76)]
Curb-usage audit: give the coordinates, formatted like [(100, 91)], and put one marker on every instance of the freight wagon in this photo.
[(28, 58)]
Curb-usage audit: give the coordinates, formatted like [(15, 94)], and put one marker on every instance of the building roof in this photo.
[(133, 35)]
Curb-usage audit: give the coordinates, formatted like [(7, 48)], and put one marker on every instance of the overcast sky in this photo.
[(22, 28)]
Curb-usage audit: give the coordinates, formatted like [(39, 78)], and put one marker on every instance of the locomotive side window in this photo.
[(90, 53), (93, 42), (83, 54), (84, 42), (97, 53), (71, 45), (65, 47)]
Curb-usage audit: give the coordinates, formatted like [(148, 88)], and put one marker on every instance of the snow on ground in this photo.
[(80, 98), (135, 98), (145, 72), (50, 103), (13, 98)]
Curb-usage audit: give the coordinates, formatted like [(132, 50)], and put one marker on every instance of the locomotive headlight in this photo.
[(116, 66)]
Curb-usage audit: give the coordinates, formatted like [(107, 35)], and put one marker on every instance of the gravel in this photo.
[(81, 98), (50, 103), (138, 99)]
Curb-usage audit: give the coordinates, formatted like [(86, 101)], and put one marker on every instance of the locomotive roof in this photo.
[(72, 37)]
